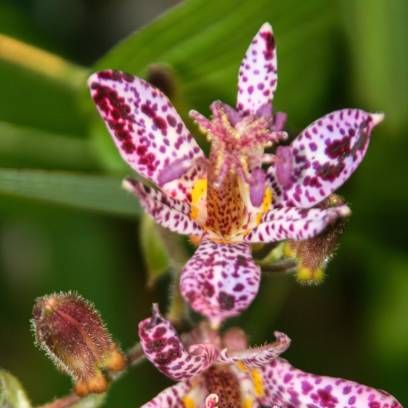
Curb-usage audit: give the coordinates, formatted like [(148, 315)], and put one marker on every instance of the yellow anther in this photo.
[(188, 402), (257, 380), (266, 204), (198, 194), (288, 250), (309, 276)]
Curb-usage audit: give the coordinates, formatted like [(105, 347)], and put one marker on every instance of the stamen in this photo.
[(265, 111), (202, 122), (173, 171), (284, 166), (257, 187), (233, 115), (279, 121)]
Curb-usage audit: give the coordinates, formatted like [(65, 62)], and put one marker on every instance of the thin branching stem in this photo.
[(134, 356), (64, 402)]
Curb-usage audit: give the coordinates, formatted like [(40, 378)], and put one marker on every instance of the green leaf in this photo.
[(204, 43), (40, 89), (12, 394), (389, 321), (28, 147), (154, 251), (15, 22), (377, 32), (92, 193)]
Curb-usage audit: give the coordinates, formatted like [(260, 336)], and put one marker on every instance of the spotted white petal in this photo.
[(167, 212), (257, 80), (220, 280), (295, 223), (145, 126), (286, 386), (171, 397), (322, 157), (164, 348)]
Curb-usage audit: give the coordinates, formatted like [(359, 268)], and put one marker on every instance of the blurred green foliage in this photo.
[(65, 223)]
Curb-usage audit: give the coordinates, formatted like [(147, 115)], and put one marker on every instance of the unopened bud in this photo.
[(313, 254), (71, 332), (162, 77)]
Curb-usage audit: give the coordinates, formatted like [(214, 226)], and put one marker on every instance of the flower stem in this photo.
[(64, 402), (283, 266), (134, 356)]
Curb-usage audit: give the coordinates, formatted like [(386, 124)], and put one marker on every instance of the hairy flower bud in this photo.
[(313, 254), (71, 332)]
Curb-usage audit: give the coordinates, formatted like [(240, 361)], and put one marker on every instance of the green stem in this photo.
[(283, 266), (64, 402), (134, 356), (179, 257)]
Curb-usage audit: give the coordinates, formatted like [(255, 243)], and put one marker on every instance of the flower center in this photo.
[(222, 382), (231, 201)]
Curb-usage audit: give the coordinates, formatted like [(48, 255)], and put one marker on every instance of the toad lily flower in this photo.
[(238, 195), (219, 371)]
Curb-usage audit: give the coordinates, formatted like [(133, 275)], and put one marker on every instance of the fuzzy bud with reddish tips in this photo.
[(313, 254), (71, 332)]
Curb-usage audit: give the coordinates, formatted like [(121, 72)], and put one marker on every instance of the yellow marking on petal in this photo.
[(248, 402), (308, 275), (241, 366), (257, 380), (198, 194), (266, 204), (188, 402)]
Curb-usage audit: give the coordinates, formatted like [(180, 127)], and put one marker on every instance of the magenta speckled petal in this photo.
[(257, 78), (144, 125), (167, 212), (163, 347), (171, 397), (220, 280), (295, 223), (286, 386), (257, 356), (324, 156)]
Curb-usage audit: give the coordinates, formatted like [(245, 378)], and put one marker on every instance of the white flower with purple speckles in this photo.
[(220, 371), (238, 195)]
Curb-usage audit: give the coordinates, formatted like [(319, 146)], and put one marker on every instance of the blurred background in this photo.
[(65, 224)]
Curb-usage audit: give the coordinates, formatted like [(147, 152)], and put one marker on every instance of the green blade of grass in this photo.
[(86, 192), (30, 147)]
